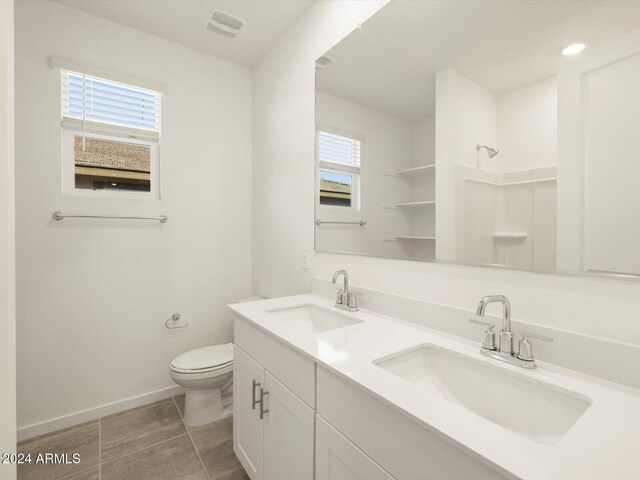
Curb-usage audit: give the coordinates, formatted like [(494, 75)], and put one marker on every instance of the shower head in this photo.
[(492, 152)]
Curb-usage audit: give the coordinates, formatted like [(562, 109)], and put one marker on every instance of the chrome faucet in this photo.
[(503, 348), (505, 337), (345, 299)]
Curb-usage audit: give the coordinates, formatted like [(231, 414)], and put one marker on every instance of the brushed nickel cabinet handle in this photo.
[(262, 409), (254, 402)]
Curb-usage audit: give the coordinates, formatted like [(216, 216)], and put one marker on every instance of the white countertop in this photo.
[(604, 443)]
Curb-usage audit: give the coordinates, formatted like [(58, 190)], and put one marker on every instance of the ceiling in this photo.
[(183, 21), (390, 64)]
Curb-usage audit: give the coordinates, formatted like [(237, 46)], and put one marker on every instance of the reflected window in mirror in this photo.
[(338, 170)]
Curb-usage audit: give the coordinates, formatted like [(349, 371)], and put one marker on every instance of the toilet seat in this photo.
[(214, 359)]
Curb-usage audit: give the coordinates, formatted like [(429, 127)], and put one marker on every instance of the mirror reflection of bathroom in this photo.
[(457, 116)]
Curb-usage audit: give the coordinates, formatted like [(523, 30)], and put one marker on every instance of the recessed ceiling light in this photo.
[(573, 49)]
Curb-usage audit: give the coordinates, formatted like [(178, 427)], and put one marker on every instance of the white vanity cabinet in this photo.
[(317, 425), (273, 428)]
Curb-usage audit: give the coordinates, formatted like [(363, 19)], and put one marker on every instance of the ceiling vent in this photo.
[(224, 23), (323, 61)]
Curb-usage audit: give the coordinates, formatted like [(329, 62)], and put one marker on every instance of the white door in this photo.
[(288, 434), (248, 378), (598, 168), (339, 459)]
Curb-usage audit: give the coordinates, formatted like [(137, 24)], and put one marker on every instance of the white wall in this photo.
[(93, 295), (7, 242), (284, 144), (527, 126), (386, 146), (594, 307)]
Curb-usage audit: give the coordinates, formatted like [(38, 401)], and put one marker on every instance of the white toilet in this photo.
[(207, 375)]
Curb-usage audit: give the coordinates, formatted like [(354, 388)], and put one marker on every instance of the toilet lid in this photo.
[(204, 358)]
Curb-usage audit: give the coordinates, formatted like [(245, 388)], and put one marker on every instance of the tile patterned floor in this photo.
[(146, 443)]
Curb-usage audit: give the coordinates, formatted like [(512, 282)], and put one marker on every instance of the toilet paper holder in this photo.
[(174, 318)]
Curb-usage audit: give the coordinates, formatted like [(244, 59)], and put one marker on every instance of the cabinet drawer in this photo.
[(404, 448), (291, 368)]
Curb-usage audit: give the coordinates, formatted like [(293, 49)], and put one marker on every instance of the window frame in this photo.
[(332, 167), (73, 127), (69, 167)]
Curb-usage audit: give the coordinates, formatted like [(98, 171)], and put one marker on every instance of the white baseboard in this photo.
[(36, 429)]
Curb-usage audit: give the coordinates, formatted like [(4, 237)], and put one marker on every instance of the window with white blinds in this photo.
[(96, 102), (111, 137), (338, 152), (338, 170)]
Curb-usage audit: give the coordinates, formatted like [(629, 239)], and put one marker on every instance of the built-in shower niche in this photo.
[(507, 218)]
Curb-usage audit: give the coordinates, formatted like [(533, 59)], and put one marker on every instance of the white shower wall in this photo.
[(505, 213), (527, 124)]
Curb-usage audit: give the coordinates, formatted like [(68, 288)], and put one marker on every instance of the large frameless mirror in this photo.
[(487, 133)]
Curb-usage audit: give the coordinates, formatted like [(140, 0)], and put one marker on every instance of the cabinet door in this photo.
[(247, 426), (339, 459), (288, 434)]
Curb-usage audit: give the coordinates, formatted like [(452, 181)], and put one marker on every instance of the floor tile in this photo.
[(239, 474), (91, 474), (180, 403), (214, 443), (174, 459), (134, 409), (139, 429), (82, 439), (179, 399)]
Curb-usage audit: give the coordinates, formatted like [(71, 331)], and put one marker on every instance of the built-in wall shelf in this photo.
[(510, 235), (412, 172), (407, 237), (412, 204), (414, 237)]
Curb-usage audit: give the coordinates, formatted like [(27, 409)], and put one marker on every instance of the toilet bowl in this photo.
[(207, 375)]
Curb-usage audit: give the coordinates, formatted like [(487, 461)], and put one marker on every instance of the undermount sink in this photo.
[(312, 318), (540, 412)]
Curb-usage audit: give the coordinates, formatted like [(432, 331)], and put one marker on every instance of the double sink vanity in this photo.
[(323, 390)]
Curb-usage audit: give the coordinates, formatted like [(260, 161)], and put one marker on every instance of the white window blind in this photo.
[(338, 152), (102, 105)]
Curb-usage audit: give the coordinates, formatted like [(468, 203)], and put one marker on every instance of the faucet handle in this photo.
[(490, 325), (489, 342), (352, 303), (525, 350)]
